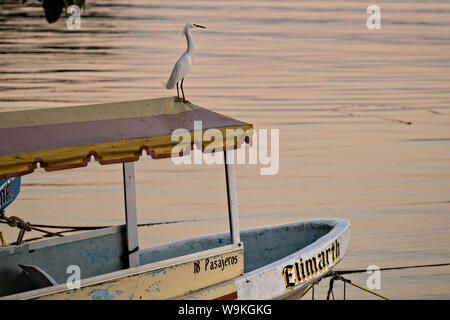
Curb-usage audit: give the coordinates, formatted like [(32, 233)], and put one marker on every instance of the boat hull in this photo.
[(291, 276), (9, 190), (274, 262)]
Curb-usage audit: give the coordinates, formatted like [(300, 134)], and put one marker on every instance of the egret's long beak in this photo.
[(199, 26)]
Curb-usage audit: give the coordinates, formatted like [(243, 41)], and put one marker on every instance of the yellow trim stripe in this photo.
[(61, 158)]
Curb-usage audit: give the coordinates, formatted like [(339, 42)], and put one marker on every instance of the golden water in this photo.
[(340, 94)]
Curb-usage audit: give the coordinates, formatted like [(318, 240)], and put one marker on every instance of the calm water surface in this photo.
[(341, 95)]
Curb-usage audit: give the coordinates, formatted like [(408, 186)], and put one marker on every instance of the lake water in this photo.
[(363, 118)]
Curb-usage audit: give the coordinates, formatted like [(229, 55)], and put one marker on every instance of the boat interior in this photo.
[(38, 264)]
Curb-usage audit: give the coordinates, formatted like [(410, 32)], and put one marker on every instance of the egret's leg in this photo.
[(182, 91), (178, 92)]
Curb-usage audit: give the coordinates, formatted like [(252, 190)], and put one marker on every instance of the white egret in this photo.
[(184, 63)]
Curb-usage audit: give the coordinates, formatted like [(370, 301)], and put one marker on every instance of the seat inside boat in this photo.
[(38, 276), (103, 251)]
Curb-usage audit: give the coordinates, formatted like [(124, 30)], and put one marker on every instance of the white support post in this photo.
[(233, 214), (130, 213)]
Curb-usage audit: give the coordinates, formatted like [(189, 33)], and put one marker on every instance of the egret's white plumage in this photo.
[(184, 63)]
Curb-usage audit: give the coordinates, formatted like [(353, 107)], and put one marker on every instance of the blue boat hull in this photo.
[(9, 189)]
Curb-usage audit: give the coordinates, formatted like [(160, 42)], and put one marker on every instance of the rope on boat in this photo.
[(84, 228), (395, 268), (312, 287), (2, 240), (14, 221), (337, 276)]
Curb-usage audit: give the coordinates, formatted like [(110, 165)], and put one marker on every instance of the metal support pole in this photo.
[(130, 213), (233, 214)]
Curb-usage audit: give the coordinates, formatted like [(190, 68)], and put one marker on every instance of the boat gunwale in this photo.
[(339, 227), (342, 224)]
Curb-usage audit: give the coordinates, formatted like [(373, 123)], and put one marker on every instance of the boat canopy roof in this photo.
[(63, 138)]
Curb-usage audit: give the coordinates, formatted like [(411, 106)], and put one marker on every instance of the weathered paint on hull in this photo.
[(193, 277), (269, 282), (150, 282), (222, 291), (293, 274)]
